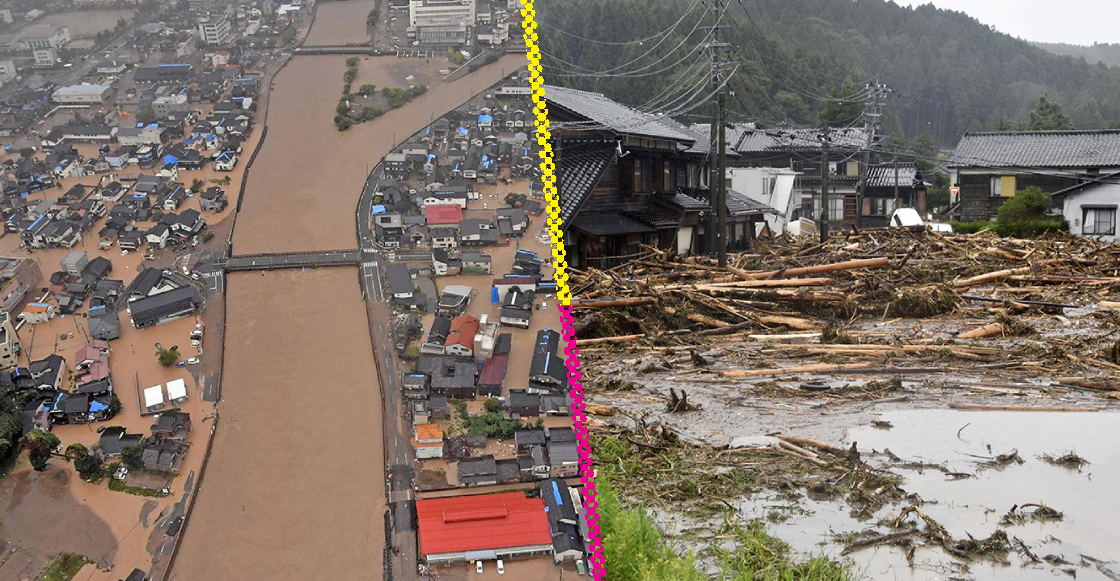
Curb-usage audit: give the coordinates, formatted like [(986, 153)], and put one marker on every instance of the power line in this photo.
[(626, 43)]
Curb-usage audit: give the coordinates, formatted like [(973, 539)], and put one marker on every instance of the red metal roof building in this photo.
[(443, 214), (483, 527)]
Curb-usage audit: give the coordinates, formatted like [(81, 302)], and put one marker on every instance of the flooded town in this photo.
[(343, 289), (243, 341)]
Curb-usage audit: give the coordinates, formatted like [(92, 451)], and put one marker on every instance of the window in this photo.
[(643, 175), (1098, 220), (835, 207), (1003, 186), (667, 182)]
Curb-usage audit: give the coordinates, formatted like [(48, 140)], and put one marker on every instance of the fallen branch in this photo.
[(879, 540)]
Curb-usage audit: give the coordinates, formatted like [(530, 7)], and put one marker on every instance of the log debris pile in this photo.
[(845, 301)]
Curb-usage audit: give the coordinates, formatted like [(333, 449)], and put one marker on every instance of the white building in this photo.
[(215, 30), (773, 187), (7, 71), (166, 105), (45, 57), (1090, 208), (6, 16), (141, 135), (43, 36), (441, 13), (81, 94)]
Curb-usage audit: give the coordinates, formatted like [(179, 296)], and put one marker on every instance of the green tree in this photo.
[(841, 110), (88, 465), (366, 90), (9, 432), (352, 61), (40, 445), (133, 456), (1029, 205), (167, 357), (1049, 116), (75, 451), (343, 122), (197, 185)]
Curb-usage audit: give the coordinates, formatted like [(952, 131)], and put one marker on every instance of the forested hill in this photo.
[(949, 73), (1109, 54)]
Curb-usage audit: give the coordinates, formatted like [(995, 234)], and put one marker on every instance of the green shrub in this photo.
[(1029, 205), (1032, 229)]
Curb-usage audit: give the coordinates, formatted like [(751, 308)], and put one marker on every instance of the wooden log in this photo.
[(814, 443), (991, 276), (791, 322), (1017, 408), (836, 266), (612, 302), (793, 282), (1108, 305), (822, 368), (785, 452), (618, 339), (797, 449), (987, 331), (706, 320)]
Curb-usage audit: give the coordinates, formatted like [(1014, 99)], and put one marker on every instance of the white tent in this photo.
[(153, 398), (177, 391)]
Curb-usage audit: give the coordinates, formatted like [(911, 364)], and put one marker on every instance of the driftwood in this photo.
[(879, 540), (612, 302), (823, 368), (839, 450), (986, 331), (991, 276), (785, 452), (836, 266)]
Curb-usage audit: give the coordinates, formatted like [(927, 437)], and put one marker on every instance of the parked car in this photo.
[(478, 566), (192, 361), (181, 364), (501, 567)]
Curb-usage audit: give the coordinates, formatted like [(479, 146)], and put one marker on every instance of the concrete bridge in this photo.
[(293, 260), (342, 49)]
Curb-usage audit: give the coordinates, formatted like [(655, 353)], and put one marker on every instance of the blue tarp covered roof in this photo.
[(379, 209), (96, 406)]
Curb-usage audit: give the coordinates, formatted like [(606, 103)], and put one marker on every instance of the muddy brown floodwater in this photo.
[(339, 23), (304, 186), (295, 485)]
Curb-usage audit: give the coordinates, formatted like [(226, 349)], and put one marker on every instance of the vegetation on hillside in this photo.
[(949, 72)]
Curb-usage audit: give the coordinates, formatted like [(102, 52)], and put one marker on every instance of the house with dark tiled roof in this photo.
[(990, 168), (618, 168)]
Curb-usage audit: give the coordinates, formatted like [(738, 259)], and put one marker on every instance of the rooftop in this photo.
[(1071, 149), (484, 522)]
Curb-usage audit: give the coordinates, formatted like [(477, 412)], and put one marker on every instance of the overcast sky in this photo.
[(1074, 21)]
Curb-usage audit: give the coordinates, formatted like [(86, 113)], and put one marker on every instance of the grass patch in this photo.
[(63, 567), (120, 486)]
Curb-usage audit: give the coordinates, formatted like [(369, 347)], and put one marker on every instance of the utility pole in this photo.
[(825, 139), (717, 182), (897, 198), (871, 124)]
